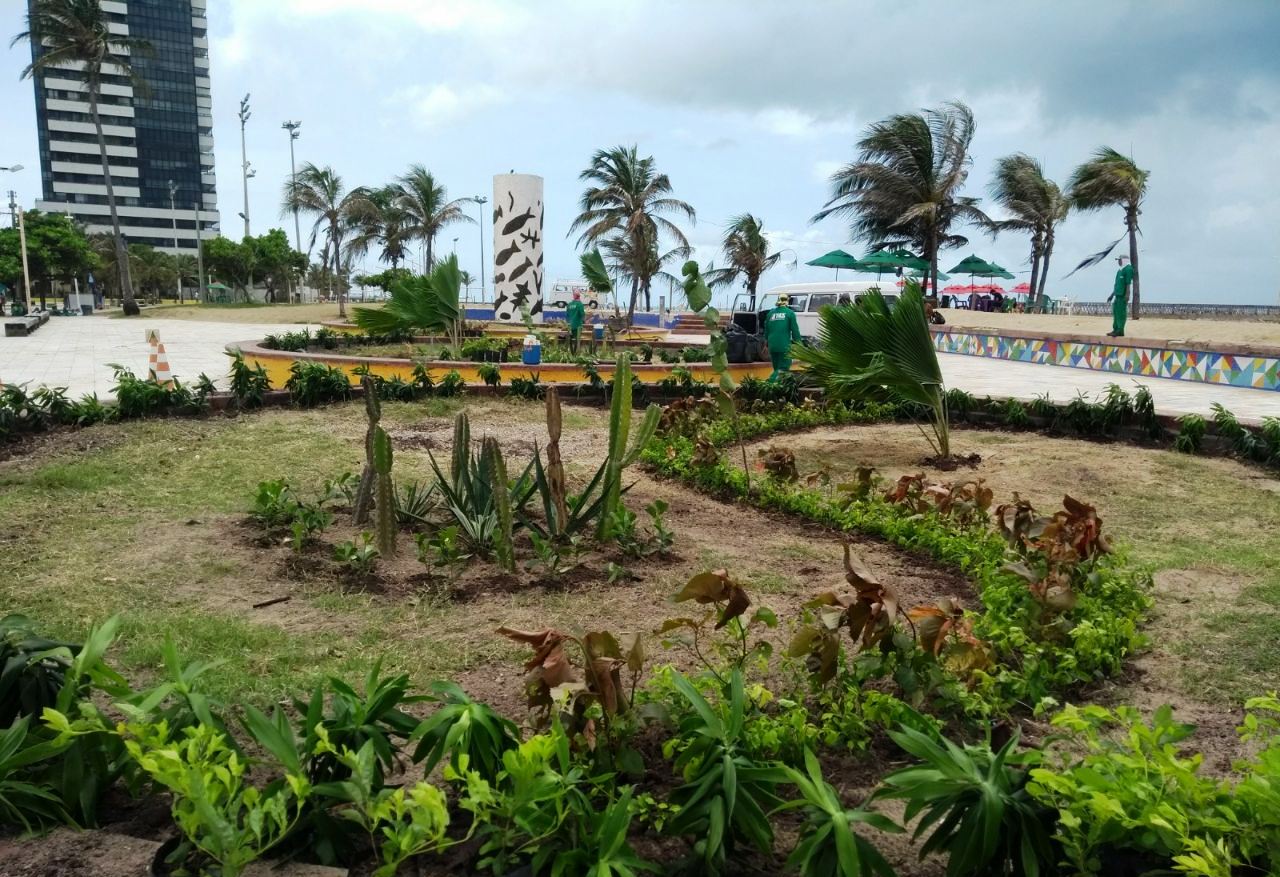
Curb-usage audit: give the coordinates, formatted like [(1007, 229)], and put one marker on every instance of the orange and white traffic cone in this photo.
[(158, 364)]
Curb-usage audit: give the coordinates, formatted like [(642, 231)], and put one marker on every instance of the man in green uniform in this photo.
[(575, 314), (1119, 297), (780, 329)]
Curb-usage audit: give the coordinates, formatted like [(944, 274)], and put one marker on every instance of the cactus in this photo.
[(503, 546), (555, 465), (620, 455), (385, 505), (373, 410), (461, 464)]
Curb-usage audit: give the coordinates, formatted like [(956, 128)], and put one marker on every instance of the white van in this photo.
[(806, 299), (562, 291)]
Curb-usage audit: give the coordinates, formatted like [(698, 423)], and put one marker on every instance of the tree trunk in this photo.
[(751, 289), (1033, 295), (129, 306), (431, 251), (337, 272), (631, 308), (648, 302), (1131, 220), (1044, 264)]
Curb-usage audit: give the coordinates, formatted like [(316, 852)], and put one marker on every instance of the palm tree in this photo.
[(1107, 180), (74, 33), (1037, 206), (385, 226), (426, 208), (645, 265), (872, 351), (624, 205), (904, 187), (320, 192), (746, 249)]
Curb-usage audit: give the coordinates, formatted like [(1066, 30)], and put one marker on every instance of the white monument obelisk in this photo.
[(517, 247)]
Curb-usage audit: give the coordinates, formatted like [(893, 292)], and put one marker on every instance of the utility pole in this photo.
[(22, 242), (481, 200), (199, 256), (173, 212), (13, 208), (292, 128), (244, 159)]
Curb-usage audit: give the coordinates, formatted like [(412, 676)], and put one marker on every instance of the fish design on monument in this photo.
[(517, 246)]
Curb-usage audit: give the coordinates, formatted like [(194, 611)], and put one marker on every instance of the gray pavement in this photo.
[(76, 352)]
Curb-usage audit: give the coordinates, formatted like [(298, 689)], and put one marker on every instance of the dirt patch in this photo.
[(67, 853)]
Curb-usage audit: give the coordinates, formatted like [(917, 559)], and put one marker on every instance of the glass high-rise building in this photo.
[(153, 139)]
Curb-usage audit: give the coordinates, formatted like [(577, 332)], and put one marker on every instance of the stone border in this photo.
[(278, 362)]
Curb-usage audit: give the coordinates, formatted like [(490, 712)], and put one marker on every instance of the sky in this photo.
[(750, 106)]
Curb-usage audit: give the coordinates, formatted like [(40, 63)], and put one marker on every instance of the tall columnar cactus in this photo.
[(622, 455), (385, 505), (461, 463), (491, 460), (555, 465), (372, 410)]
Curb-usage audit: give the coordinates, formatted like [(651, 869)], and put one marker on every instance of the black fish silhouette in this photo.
[(528, 263), (511, 197), (499, 278), (503, 257), (518, 222), (537, 307)]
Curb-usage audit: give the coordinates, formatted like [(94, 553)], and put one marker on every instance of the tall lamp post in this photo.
[(244, 160), (481, 200), (173, 210), (292, 128), (22, 234)]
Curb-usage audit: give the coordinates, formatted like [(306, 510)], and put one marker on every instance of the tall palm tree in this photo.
[(1110, 179), (74, 32), (746, 249), (426, 208), (1036, 205), (319, 192), (625, 203), (904, 187), (641, 267), (385, 225)]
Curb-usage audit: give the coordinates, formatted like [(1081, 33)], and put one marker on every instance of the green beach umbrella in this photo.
[(976, 267), (882, 261), (836, 259)]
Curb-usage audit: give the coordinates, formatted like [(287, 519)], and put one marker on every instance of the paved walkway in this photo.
[(984, 376), (75, 352)]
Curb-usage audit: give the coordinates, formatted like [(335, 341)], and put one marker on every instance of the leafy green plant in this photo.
[(1117, 408), (228, 820), (248, 384), (274, 504), (1083, 417), (530, 388), (421, 378), (450, 385), (414, 503), (444, 547), (1044, 408), (309, 519), (828, 843), (55, 404), (1144, 410), (88, 411), (1014, 414), (314, 383), (974, 803), (548, 556), (358, 558), (463, 731), (1191, 432), (603, 848), (727, 796), (490, 374), (33, 669), (960, 404), (23, 801)]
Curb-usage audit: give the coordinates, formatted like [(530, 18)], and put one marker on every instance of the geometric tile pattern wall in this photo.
[(1206, 366)]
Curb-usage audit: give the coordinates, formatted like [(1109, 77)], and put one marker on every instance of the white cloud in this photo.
[(435, 104), (791, 122), (824, 170), (430, 15)]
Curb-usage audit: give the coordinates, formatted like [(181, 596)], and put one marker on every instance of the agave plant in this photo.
[(874, 351)]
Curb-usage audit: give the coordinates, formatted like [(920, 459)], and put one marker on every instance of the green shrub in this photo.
[(314, 383), (248, 385), (490, 374), (33, 669), (463, 731), (1013, 414), (1191, 432), (530, 388), (450, 385)]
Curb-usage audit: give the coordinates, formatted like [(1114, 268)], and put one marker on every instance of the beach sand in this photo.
[(1151, 328)]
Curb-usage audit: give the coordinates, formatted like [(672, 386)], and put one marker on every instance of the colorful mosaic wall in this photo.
[(1206, 366)]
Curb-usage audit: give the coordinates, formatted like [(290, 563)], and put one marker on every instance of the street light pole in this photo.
[(173, 211), (244, 159), (481, 200), (292, 128), (199, 256), (22, 242)]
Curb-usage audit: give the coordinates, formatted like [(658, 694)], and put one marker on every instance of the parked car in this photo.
[(562, 291)]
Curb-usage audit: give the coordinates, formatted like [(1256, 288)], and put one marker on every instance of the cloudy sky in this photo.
[(750, 105)]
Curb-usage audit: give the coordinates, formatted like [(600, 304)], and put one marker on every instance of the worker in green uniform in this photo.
[(575, 314), (1119, 297), (780, 329)]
